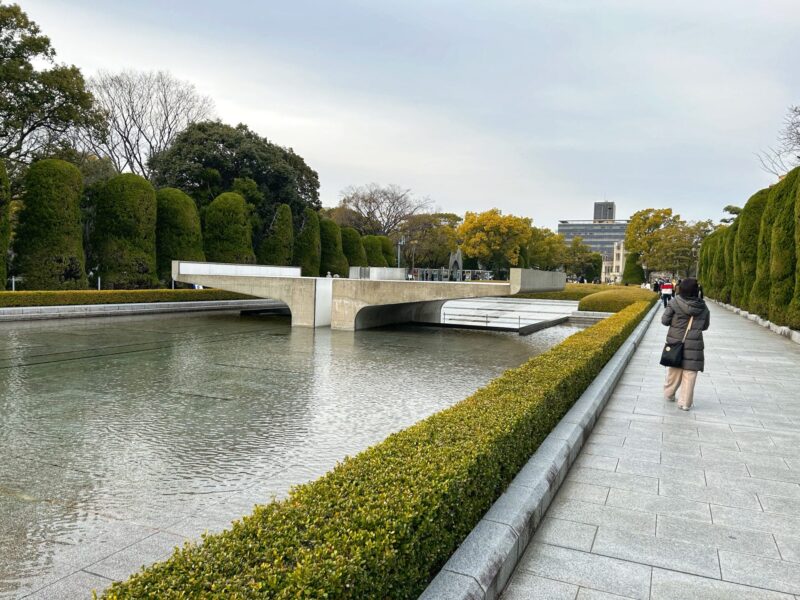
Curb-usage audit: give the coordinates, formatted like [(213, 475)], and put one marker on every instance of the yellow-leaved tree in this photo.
[(495, 240)]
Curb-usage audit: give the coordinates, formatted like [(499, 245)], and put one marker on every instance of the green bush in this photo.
[(728, 260), (717, 265), (759, 294), (276, 248), (332, 256), (307, 245), (5, 223), (616, 299), (746, 249), (353, 248), (227, 234), (387, 249), (571, 291), (372, 248), (178, 235), (49, 238), (125, 233), (633, 274), (783, 259), (381, 524), (73, 297), (711, 245)]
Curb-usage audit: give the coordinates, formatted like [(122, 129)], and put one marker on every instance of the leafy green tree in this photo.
[(746, 249), (546, 249), (579, 260), (783, 254), (208, 157), (430, 238), (178, 235), (374, 251), (759, 294), (642, 232), (41, 102), (307, 245), (49, 244), (353, 248), (276, 248), (227, 235), (125, 233), (5, 223), (333, 259), (632, 274), (387, 249)]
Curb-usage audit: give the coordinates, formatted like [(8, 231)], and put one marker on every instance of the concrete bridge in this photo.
[(350, 304)]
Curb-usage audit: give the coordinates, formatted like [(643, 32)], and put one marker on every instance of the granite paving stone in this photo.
[(702, 505)]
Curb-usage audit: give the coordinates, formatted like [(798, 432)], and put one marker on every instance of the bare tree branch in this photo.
[(783, 157), (381, 209), (145, 110)]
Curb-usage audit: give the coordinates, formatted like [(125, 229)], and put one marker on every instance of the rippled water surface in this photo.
[(152, 428)]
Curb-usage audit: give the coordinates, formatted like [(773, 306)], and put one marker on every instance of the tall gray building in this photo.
[(600, 233)]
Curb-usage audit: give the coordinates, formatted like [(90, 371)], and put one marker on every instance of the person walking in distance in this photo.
[(666, 292), (687, 317)]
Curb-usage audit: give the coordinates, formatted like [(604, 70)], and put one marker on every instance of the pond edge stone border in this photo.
[(779, 329), (482, 565)]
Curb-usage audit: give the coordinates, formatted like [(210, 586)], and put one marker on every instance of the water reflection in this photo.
[(118, 430)]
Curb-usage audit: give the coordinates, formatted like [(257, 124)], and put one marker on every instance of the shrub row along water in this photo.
[(77, 297), (615, 299), (753, 262), (381, 524), (125, 233)]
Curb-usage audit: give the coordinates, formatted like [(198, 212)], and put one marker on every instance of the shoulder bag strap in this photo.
[(688, 327)]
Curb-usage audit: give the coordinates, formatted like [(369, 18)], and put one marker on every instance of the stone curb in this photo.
[(480, 568), (781, 330), (29, 313)]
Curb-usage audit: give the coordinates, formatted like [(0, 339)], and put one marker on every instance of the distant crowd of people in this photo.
[(667, 289)]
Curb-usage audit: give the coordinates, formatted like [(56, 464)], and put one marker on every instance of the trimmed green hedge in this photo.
[(332, 259), (782, 255), (793, 312), (381, 524), (571, 291), (633, 273), (277, 246), (387, 249), (73, 297), (5, 223), (728, 259), (616, 299), (374, 251), (746, 248), (307, 245), (353, 248), (759, 293), (228, 235), (125, 233), (178, 235), (49, 235)]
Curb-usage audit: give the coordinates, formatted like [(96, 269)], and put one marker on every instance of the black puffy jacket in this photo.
[(677, 315)]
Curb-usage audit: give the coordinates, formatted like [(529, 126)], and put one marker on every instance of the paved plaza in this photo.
[(698, 505)]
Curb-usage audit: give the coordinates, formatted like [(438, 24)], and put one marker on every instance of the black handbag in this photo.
[(672, 355)]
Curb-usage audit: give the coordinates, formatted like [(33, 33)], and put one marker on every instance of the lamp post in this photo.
[(400, 243)]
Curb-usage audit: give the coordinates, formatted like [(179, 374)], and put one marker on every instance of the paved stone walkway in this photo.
[(666, 504)]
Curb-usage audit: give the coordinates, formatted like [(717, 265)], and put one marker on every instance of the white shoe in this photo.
[(682, 407)]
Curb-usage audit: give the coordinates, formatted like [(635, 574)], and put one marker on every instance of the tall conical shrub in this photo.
[(353, 248), (332, 256), (5, 223), (372, 247), (228, 235), (728, 274), (178, 235), (278, 245), (49, 240), (125, 233), (793, 312), (717, 266), (759, 294), (746, 249), (387, 249), (307, 251), (782, 251)]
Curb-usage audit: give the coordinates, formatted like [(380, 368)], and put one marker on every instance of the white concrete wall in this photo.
[(203, 268), (379, 273), (322, 302), (533, 280)]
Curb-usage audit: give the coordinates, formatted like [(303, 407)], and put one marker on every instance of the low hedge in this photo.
[(572, 291), (381, 524), (71, 297), (616, 299)]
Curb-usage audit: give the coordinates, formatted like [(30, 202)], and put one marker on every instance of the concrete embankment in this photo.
[(32, 313)]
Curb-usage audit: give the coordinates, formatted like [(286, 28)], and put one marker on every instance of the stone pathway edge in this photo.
[(779, 329), (480, 568)]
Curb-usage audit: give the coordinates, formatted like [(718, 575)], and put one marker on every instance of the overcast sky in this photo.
[(537, 107)]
